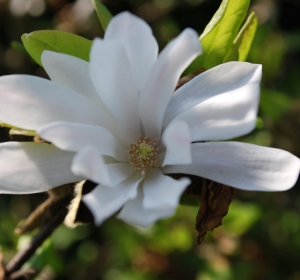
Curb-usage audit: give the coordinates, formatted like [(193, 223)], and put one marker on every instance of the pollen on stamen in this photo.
[(142, 154)]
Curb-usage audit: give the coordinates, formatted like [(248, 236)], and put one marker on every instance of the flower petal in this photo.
[(161, 192), (104, 201), (138, 41), (118, 172), (243, 166), (71, 72), (111, 74), (223, 78), (73, 137), (133, 212), (224, 116), (177, 140), (89, 164), (33, 167), (29, 102), (163, 78)]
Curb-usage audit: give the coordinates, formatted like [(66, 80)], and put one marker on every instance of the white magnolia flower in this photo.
[(120, 114)]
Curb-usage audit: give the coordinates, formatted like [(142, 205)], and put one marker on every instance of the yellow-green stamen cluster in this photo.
[(143, 154)]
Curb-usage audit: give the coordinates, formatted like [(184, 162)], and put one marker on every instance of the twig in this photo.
[(20, 258)]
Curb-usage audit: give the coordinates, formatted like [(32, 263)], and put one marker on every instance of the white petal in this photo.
[(73, 137), (118, 172), (138, 41), (112, 77), (224, 116), (104, 201), (71, 72), (243, 166), (134, 212), (223, 78), (33, 167), (163, 78), (177, 140), (29, 102), (89, 164), (162, 192)]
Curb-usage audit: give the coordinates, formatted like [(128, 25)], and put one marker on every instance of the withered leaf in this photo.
[(79, 213), (216, 199)]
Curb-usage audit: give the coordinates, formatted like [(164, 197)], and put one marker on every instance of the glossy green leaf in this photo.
[(103, 13), (58, 41), (242, 43), (219, 34)]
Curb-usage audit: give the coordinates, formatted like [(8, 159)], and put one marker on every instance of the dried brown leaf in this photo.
[(79, 213), (216, 199)]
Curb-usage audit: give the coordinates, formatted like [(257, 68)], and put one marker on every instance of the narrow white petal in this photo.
[(161, 192), (223, 78), (243, 166), (33, 167), (29, 102), (163, 78), (138, 41), (224, 116), (177, 140), (89, 164), (118, 172), (134, 212), (73, 137), (104, 201), (110, 71), (71, 72)]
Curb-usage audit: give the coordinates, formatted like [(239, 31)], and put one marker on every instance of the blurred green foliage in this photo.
[(260, 238)]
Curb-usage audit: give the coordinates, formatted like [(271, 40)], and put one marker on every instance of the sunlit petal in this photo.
[(73, 137), (243, 166), (138, 41), (163, 78), (177, 140), (111, 74), (33, 167), (223, 116), (226, 77), (104, 201)]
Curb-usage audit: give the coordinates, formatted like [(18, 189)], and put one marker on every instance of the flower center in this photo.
[(142, 154)]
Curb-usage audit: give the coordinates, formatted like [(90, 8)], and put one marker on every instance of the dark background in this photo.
[(260, 238)]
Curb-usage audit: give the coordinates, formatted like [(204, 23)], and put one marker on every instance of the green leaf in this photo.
[(103, 13), (242, 43), (58, 41), (219, 34)]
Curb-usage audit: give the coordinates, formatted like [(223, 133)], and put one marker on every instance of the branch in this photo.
[(20, 258)]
